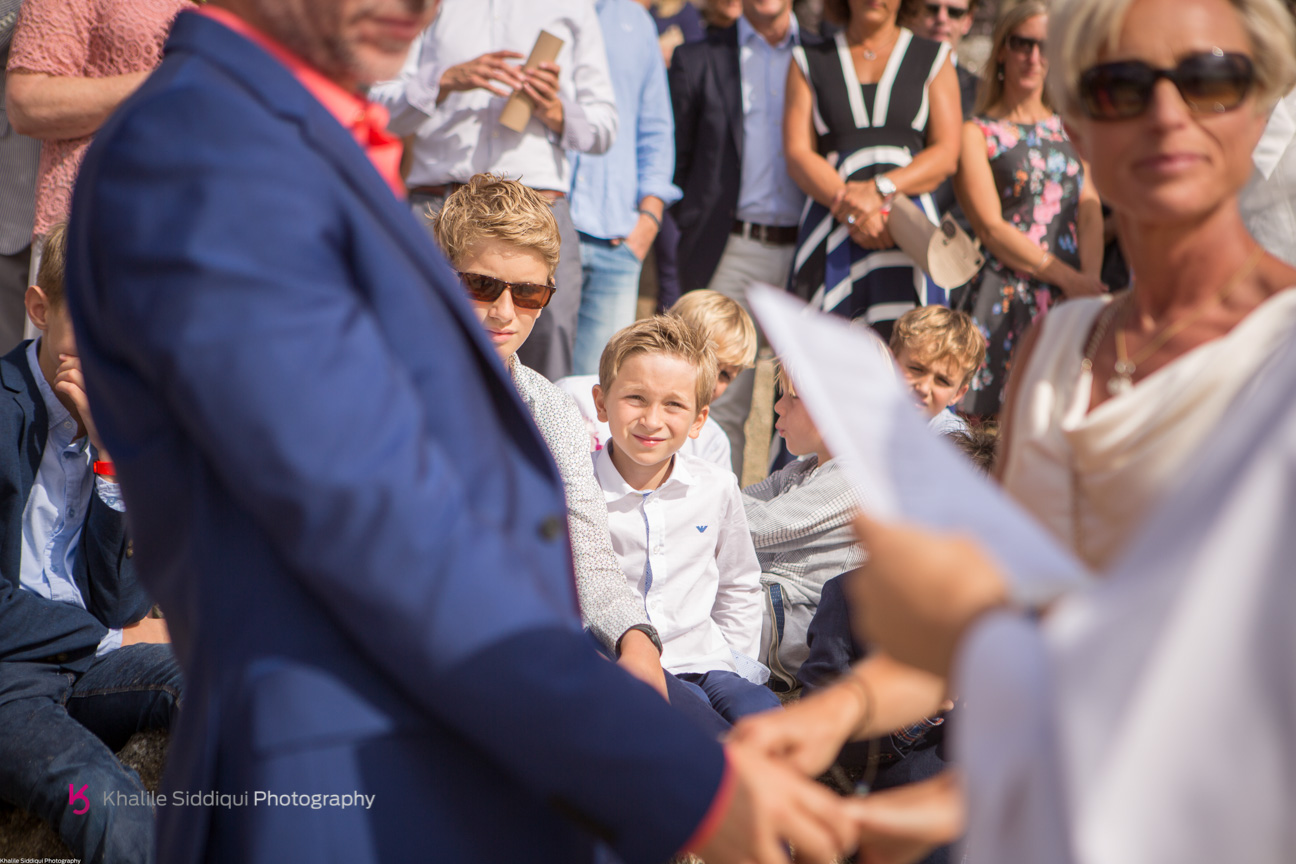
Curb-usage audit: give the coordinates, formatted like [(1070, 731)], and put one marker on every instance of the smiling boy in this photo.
[(677, 521)]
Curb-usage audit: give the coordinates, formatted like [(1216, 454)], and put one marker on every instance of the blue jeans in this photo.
[(60, 730), (609, 295), (730, 694)]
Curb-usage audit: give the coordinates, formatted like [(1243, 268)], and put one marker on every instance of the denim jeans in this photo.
[(730, 694), (60, 730), (609, 294)]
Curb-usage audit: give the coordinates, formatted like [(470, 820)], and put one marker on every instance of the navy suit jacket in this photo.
[(342, 503), (32, 627), (706, 94)]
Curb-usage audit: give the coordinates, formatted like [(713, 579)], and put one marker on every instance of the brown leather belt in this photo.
[(774, 235), (445, 189)]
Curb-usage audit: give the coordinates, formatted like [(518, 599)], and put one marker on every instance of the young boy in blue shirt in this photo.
[(81, 669)]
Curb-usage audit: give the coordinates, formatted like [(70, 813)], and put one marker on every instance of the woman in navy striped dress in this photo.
[(870, 114)]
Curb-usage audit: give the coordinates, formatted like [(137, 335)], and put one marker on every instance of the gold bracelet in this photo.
[(1043, 262)]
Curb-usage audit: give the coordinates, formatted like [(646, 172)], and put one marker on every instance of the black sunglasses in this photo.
[(1024, 45), (1210, 83), (954, 12), (526, 295)]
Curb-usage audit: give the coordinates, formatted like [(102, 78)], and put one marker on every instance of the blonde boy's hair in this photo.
[(53, 264), (724, 322), (934, 333), (662, 334), (488, 207), (783, 379)]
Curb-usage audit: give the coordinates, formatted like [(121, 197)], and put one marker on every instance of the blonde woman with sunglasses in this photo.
[(1026, 193), (1113, 396)]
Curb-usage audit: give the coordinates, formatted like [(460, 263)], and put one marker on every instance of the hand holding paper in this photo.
[(517, 111)]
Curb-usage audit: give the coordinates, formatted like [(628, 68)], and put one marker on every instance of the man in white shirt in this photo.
[(456, 81)]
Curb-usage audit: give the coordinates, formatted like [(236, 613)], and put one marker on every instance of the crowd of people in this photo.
[(349, 292)]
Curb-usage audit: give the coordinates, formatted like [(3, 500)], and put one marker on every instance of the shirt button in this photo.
[(71, 512), (130, 549), (551, 528)]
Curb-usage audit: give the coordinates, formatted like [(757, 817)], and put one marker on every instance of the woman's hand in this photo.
[(858, 200), (873, 232), (904, 824), (920, 592), (1081, 285), (807, 734)]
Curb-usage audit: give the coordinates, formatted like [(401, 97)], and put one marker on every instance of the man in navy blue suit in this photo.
[(340, 500)]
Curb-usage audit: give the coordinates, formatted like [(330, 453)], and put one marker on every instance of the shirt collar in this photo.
[(366, 121), (746, 32), (54, 409), (614, 485)]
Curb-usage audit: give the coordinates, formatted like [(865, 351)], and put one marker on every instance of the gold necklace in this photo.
[(870, 54), (1123, 380)]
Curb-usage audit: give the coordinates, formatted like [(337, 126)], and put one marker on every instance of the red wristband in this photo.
[(105, 469)]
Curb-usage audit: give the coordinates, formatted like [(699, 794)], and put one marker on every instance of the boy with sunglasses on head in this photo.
[(502, 238), (677, 521)]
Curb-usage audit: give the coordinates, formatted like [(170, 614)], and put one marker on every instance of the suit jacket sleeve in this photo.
[(250, 323), (112, 590)]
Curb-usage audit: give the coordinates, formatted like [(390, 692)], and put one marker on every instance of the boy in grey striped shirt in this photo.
[(800, 521)]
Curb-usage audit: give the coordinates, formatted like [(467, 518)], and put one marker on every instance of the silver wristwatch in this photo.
[(885, 187)]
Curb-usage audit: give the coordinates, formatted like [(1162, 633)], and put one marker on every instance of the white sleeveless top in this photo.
[(1092, 477)]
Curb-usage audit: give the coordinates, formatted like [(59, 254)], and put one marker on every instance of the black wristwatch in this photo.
[(646, 629)]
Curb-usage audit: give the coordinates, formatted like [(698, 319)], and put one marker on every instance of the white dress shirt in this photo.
[(462, 136), (685, 548)]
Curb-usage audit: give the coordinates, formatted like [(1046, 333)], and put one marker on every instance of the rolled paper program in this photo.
[(517, 110)]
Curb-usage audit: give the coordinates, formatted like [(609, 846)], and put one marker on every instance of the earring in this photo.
[(999, 74)]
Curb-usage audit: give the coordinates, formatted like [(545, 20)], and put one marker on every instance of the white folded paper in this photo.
[(901, 470)]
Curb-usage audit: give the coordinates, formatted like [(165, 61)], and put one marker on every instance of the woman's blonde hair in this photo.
[(1009, 19), (1081, 30), (488, 207)]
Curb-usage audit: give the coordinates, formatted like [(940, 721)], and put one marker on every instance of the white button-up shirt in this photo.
[(685, 548), (462, 136)]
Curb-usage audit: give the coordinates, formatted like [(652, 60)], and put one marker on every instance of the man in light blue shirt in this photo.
[(618, 197), (740, 209)]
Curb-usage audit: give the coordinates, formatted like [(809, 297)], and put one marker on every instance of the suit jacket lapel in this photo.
[(19, 385), (728, 73)]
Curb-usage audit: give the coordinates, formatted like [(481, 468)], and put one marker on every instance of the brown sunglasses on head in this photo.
[(526, 295)]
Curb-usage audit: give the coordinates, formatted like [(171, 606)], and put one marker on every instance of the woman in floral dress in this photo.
[(1024, 190)]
